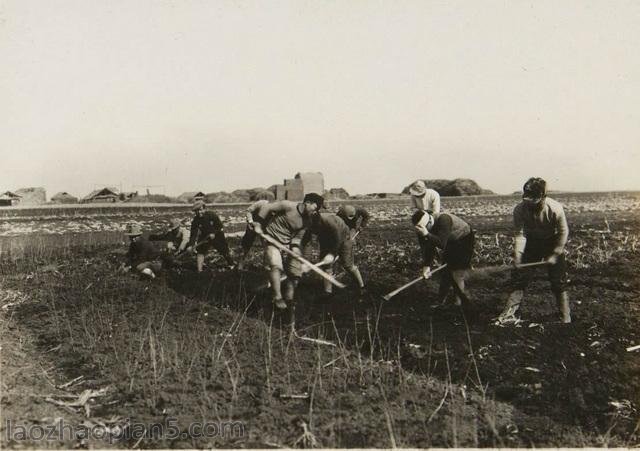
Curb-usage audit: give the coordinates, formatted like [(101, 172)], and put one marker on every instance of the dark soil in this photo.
[(209, 346)]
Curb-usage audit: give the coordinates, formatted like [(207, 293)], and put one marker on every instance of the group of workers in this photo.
[(286, 229)]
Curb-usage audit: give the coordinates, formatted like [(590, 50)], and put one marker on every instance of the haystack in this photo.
[(64, 198), (336, 194), (457, 187), (32, 196)]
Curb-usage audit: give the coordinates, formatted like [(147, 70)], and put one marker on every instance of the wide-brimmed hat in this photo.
[(174, 224), (197, 205), (133, 230), (418, 188)]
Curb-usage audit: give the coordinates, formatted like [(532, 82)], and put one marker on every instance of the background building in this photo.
[(101, 196), (7, 199), (300, 185)]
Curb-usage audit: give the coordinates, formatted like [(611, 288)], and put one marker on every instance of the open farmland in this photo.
[(209, 347)]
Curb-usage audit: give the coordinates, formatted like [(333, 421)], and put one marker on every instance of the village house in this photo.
[(102, 195), (8, 199)]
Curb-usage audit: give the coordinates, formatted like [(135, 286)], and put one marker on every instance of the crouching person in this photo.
[(456, 238), (356, 218), (177, 238), (142, 257), (541, 233), (335, 241)]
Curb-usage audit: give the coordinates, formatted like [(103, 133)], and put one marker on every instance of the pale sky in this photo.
[(221, 95)]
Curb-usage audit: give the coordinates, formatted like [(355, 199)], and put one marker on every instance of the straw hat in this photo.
[(133, 230)]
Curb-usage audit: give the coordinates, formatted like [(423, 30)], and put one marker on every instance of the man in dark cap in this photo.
[(286, 222), (208, 233), (176, 236), (541, 233), (356, 218)]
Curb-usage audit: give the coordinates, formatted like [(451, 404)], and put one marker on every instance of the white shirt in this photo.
[(429, 201)]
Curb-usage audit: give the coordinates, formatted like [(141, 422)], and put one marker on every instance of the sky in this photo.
[(220, 95)]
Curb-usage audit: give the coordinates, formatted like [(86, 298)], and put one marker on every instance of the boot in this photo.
[(513, 304), (562, 300)]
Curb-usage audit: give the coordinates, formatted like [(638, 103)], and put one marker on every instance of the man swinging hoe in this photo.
[(541, 233)]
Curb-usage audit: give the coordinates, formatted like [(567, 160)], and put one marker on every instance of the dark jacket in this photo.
[(359, 221), (203, 226), (178, 236), (140, 251), (331, 231), (446, 228)]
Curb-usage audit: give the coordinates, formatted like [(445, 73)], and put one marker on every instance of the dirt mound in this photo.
[(457, 187), (239, 195), (336, 194), (263, 194)]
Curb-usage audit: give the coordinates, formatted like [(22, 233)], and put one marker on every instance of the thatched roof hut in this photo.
[(101, 195), (7, 199)]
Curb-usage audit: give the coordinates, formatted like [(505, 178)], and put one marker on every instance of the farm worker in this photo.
[(142, 255), (252, 217), (356, 218), (541, 233), (206, 227), (423, 198), (287, 225), (455, 238), (176, 236), (335, 241)]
